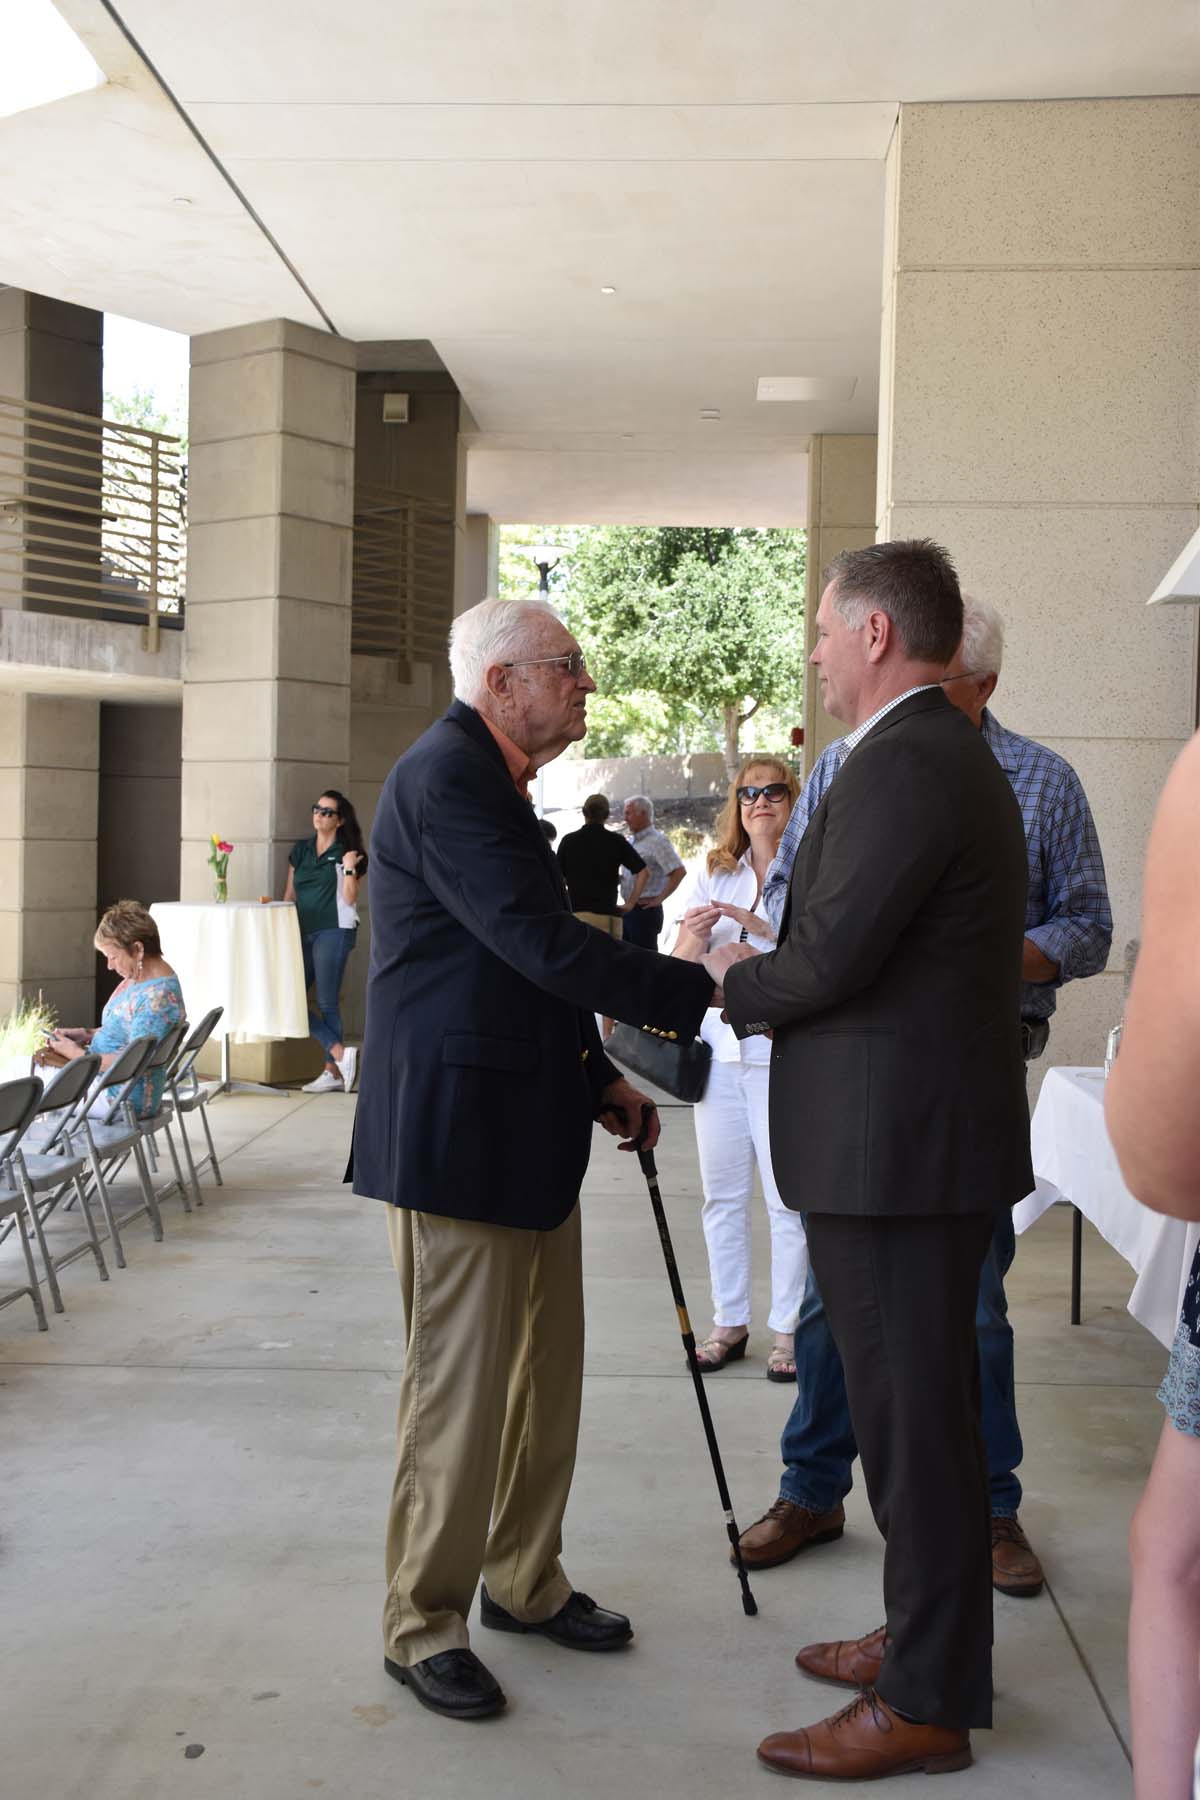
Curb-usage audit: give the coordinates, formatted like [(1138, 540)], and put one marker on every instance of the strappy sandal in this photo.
[(719, 1353), (781, 1364)]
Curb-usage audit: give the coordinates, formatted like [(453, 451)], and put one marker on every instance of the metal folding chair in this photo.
[(113, 1134), (190, 1094), (18, 1099), (165, 1055), (49, 1161)]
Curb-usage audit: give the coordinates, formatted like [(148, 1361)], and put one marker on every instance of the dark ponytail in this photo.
[(350, 831)]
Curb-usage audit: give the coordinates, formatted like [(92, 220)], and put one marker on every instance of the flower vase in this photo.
[(220, 889)]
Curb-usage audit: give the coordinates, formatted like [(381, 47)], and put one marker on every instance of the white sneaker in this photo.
[(325, 1083), (349, 1068)]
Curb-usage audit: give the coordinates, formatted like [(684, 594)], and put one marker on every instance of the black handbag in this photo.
[(680, 1069)]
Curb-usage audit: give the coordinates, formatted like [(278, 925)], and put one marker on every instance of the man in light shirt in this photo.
[(644, 921)]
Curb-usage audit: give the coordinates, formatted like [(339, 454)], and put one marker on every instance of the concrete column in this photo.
[(49, 758), (481, 561), (266, 699), (841, 516), (394, 702), (50, 352), (1041, 371)]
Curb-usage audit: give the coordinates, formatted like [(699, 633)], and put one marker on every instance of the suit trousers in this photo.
[(900, 1294), (487, 1427)]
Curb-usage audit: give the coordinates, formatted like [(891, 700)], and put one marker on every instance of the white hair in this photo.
[(642, 800), (495, 631), (982, 638)]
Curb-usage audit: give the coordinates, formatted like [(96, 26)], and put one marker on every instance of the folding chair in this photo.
[(113, 1134), (17, 1102), (48, 1163), (189, 1094), (165, 1055)]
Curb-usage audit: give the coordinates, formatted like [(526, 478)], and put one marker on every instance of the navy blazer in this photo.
[(897, 1082), (482, 1067)]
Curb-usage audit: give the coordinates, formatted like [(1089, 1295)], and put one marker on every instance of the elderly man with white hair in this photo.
[(644, 913), (482, 1074), (1068, 933)]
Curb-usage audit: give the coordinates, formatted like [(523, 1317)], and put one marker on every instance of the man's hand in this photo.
[(621, 1115), (715, 962)]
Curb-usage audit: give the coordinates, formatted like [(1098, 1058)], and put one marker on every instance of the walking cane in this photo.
[(650, 1171)]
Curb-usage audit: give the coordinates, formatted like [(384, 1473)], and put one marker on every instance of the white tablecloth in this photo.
[(1074, 1160), (240, 955)]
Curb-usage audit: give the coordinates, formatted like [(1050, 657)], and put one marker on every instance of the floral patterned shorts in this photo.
[(1180, 1391)]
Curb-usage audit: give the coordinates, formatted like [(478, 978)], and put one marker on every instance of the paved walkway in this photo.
[(196, 1461)]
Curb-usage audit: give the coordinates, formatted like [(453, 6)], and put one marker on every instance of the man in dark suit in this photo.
[(482, 1072), (898, 1124)]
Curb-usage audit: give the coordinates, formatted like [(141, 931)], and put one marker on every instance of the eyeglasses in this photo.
[(775, 791), (575, 664), (326, 812)]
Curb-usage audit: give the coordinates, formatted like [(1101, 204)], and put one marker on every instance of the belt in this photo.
[(1035, 1034)]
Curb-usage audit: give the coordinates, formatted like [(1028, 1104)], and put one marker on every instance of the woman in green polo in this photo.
[(323, 879)]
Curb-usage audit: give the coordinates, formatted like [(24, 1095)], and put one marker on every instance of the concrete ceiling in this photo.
[(474, 174)]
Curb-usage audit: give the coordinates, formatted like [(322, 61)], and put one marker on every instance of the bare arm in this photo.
[(1035, 965), (1150, 1100), (289, 892), (635, 893), (673, 881)]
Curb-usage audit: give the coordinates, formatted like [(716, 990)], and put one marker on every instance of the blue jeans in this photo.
[(643, 925), (818, 1444), (325, 956)]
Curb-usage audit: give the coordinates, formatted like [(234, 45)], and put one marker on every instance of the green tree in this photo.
[(707, 623)]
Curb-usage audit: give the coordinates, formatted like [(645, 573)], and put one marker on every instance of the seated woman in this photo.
[(147, 1003), (723, 902)]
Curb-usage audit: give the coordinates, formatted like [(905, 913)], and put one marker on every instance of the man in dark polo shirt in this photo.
[(591, 860)]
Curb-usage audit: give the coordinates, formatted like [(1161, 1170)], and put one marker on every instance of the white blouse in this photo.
[(737, 888)]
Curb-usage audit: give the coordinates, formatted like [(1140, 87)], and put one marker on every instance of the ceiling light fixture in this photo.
[(608, 290), (806, 387), (710, 412)]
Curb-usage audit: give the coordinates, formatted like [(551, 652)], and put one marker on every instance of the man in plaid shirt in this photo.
[(1068, 933)]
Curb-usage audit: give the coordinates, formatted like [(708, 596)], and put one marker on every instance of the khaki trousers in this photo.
[(488, 1423), (611, 924)]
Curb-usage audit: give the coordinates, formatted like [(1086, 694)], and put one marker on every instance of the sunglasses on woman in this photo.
[(775, 791), (326, 812)]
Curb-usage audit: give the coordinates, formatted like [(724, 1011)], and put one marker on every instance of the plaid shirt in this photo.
[(1067, 914)]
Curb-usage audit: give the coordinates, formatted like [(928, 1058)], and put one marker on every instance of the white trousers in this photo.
[(731, 1135)]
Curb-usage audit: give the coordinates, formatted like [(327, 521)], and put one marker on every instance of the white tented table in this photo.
[(1074, 1160), (243, 956)]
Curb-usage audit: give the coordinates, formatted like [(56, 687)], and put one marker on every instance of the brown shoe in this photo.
[(786, 1530), (863, 1742), (851, 1662), (1015, 1567)]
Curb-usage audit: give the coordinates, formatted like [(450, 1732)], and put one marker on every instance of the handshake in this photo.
[(716, 962)]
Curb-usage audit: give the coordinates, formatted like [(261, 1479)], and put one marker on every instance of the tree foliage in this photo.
[(689, 631)]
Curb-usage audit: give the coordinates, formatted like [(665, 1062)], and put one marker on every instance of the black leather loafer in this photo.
[(580, 1624), (453, 1683)]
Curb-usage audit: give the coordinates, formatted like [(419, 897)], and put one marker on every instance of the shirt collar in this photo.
[(855, 737), (1002, 744), (518, 764)]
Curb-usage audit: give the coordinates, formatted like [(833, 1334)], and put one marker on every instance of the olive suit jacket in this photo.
[(897, 1081), (482, 1068)]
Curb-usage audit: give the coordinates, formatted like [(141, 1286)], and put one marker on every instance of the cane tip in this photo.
[(749, 1604)]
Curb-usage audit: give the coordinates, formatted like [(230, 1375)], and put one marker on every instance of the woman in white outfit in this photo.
[(724, 904)]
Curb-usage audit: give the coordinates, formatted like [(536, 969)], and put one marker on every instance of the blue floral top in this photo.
[(140, 1009)]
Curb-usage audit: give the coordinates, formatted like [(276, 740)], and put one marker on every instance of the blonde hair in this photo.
[(732, 837), (126, 924)]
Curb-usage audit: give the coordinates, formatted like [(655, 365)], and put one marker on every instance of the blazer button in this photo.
[(672, 1035)]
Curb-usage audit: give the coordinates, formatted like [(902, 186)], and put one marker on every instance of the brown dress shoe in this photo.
[(1015, 1567), (863, 1742), (851, 1662), (786, 1530)]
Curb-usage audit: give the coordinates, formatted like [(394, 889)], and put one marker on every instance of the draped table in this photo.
[(1074, 1160), (244, 956)]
